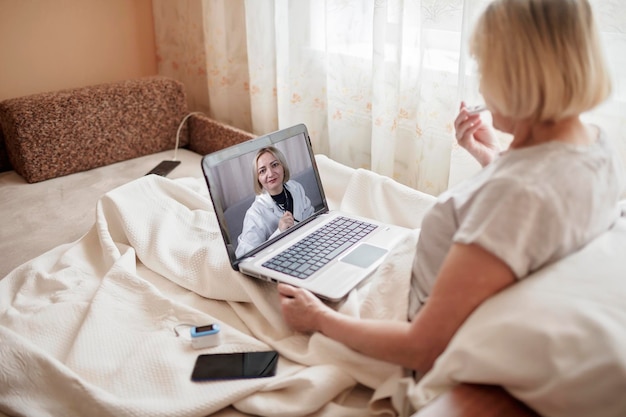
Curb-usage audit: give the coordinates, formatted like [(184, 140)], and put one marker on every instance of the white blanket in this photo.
[(88, 328)]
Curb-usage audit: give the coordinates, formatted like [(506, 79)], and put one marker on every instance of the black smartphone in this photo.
[(164, 168), (216, 366)]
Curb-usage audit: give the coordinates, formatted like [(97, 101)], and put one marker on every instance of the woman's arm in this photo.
[(474, 400), (469, 276)]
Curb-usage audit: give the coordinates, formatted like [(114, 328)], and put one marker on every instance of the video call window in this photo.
[(233, 186)]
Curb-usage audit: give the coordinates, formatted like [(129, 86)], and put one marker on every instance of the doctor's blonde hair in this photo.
[(540, 59), (258, 188)]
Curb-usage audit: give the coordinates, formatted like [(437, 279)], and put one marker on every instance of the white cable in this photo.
[(180, 126)]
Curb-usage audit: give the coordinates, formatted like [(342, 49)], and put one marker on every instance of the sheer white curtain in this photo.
[(377, 82)]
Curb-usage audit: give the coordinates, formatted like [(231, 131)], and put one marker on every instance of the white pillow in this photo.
[(556, 340)]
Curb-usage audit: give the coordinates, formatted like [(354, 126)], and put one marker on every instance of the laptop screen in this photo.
[(253, 184)]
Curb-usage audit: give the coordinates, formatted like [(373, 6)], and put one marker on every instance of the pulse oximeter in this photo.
[(205, 336)]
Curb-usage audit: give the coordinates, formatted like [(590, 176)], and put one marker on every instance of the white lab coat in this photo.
[(261, 220)]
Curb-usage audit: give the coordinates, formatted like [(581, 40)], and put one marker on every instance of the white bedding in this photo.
[(38, 217), (87, 328)]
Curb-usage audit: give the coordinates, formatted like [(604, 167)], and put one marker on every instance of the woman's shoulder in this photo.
[(559, 162), (261, 201), (294, 185), (569, 173)]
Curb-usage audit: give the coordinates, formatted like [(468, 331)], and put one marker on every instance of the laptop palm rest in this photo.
[(364, 255)]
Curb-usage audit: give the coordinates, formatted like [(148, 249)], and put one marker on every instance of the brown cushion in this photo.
[(58, 133), (207, 135)]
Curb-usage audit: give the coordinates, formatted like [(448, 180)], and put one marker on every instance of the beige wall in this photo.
[(47, 45)]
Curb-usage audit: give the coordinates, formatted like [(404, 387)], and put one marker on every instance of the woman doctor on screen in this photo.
[(279, 203)]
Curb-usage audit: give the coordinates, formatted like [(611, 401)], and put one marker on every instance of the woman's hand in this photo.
[(301, 309), (476, 137), (286, 221)]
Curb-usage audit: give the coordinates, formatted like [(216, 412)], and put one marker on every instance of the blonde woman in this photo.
[(552, 191), (278, 205)]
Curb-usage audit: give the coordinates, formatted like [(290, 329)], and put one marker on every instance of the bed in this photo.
[(102, 264)]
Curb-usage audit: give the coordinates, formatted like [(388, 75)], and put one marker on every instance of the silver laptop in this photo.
[(328, 253)]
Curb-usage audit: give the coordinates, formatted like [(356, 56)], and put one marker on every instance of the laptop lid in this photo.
[(231, 175)]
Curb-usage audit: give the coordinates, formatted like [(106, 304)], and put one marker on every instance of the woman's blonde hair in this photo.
[(258, 188), (540, 59)]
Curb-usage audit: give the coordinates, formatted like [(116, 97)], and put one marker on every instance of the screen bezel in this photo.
[(212, 163)]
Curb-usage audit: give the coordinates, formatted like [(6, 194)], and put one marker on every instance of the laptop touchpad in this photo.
[(364, 255)]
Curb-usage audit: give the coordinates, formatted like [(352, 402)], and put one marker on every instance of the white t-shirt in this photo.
[(529, 207)]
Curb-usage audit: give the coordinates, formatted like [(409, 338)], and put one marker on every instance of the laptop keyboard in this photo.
[(314, 251)]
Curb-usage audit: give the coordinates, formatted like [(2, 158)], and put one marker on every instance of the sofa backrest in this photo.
[(52, 134)]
